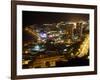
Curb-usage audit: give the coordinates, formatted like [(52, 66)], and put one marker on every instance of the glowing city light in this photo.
[(50, 36), (65, 49), (84, 47), (43, 35), (26, 52), (37, 48)]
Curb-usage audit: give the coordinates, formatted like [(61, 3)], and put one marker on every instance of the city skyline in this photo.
[(55, 39)]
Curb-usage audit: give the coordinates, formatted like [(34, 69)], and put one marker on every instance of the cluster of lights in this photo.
[(25, 61), (42, 36), (37, 48), (83, 50), (53, 35), (50, 35)]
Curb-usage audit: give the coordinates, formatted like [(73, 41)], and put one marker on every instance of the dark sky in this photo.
[(31, 17)]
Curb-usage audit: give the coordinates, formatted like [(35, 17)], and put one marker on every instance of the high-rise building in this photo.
[(78, 31)]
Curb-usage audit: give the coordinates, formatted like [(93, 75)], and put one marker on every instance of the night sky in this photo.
[(32, 17)]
